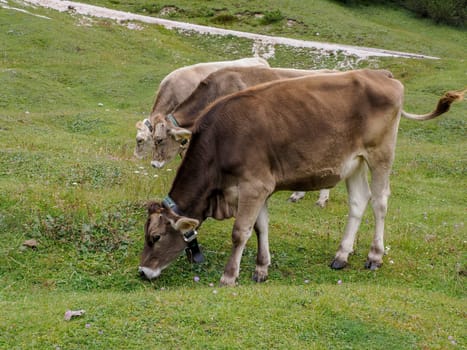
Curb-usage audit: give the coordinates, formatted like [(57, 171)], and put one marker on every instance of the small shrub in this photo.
[(200, 12), (441, 11), (452, 12), (272, 17), (223, 18)]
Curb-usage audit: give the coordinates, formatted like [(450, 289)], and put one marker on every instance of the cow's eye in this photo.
[(154, 239), (139, 142)]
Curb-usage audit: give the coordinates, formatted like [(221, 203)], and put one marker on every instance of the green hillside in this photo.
[(71, 91)]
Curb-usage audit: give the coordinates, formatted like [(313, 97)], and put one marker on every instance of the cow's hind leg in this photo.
[(296, 196), (321, 202), (359, 194), (379, 201), (263, 258), (323, 198)]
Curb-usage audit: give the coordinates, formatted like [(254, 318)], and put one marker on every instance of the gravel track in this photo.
[(262, 40)]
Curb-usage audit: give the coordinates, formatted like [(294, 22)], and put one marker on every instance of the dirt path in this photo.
[(262, 40)]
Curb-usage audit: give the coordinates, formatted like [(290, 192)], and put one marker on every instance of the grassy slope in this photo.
[(67, 179)]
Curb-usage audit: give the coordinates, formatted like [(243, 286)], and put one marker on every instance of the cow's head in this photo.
[(144, 141), (169, 140), (164, 239)]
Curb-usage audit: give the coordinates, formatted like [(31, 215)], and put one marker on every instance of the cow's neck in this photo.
[(188, 111), (184, 120), (200, 188), (191, 188)]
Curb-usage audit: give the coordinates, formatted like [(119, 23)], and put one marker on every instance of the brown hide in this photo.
[(180, 83), (294, 134), (227, 81), (218, 84), (176, 87)]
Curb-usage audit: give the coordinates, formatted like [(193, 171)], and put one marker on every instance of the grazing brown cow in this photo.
[(175, 88), (296, 134), (173, 131)]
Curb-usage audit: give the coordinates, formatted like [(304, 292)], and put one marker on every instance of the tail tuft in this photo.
[(449, 97), (443, 106)]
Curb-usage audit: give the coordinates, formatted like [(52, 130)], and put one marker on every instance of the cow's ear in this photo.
[(184, 224), (180, 134), (139, 125)]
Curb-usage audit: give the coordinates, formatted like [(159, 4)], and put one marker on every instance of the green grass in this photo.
[(70, 95), (315, 317)]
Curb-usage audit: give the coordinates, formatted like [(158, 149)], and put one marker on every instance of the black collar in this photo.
[(193, 252), (148, 124)]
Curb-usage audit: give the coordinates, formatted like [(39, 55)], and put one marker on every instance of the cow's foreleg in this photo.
[(359, 194), (240, 234), (248, 211), (263, 258), (379, 201)]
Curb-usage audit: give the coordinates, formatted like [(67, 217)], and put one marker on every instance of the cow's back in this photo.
[(232, 79), (301, 131), (229, 80), (180, 83)]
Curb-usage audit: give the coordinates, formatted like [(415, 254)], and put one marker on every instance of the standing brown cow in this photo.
[(297, 134)]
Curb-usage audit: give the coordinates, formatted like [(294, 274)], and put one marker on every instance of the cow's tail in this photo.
[(443, 106)]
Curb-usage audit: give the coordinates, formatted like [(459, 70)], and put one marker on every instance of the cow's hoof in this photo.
[(296, 196), (228, 281), (260, 277), (373, 265), (338, 264), (321, 203)]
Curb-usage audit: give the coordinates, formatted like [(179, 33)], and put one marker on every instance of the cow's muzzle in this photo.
[(156, 164), (148, 273)]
